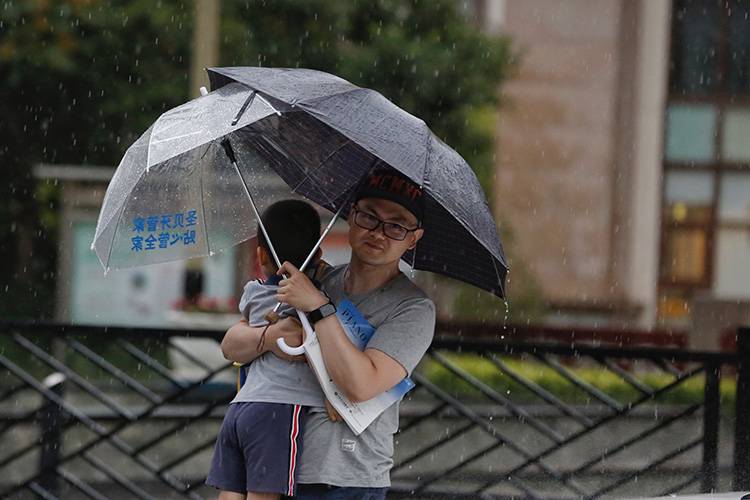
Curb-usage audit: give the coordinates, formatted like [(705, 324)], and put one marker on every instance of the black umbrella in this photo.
[(460, 240)]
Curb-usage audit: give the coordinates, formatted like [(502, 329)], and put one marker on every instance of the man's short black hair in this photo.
[(294, 228)]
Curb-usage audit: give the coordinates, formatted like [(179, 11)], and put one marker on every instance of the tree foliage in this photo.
[(81, 79)]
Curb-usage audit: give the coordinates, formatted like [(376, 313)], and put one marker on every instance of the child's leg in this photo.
[(227, 471), (233, 495), (230, 495), (270, 439), (261, 496)]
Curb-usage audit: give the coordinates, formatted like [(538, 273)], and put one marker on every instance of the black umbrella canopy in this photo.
[(328, 134)]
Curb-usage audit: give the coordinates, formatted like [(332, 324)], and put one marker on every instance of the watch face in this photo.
[(327, 309)]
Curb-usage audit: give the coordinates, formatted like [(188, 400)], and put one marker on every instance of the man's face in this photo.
[(372, 246)]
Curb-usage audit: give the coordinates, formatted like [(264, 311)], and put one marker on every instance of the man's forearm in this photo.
[(352, 370), (360, 375)]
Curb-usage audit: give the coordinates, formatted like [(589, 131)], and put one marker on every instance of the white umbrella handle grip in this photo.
[(292, 351), (309, 334)]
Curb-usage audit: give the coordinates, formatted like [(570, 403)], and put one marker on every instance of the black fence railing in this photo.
[(91, 412)]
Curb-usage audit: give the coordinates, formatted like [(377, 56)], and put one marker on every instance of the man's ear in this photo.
[(417, 236)]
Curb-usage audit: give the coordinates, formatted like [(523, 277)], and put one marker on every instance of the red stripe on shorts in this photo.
[(293, 447)]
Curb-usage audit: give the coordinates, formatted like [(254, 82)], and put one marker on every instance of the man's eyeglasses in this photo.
[(371, 223)]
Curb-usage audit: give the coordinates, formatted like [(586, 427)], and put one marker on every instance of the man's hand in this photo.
[(297, 290), (333, 415), (290, 330)]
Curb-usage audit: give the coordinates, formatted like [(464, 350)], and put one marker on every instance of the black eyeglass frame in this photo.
[(382, 224)]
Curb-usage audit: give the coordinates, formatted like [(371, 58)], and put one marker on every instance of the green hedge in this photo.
[(689, 391)]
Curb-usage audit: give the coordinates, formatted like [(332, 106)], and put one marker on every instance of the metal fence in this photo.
[(91, 412)]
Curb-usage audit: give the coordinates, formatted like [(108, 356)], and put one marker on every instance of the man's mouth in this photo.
[(374, 245)]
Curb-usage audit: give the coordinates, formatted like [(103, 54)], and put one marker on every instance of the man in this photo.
[(384, 223)]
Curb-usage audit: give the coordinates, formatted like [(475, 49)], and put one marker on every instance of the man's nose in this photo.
[(379, 232)]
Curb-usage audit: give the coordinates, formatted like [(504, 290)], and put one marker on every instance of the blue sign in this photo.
[(156, 232)]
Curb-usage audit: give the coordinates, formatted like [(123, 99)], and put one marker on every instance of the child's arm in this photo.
[(241, 340)]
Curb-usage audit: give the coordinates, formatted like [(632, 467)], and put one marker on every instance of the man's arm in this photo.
[(359, 375), (240, 343)]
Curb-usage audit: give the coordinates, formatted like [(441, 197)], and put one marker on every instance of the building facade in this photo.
[(623, 160)]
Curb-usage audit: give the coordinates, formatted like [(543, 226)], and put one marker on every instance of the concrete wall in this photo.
[(576, 149)]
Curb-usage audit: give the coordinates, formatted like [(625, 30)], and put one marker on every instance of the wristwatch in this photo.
[(323, 311)]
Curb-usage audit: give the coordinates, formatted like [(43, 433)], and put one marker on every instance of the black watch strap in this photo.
[(323, 311)]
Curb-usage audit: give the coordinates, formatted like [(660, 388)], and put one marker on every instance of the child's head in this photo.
[(294, 228)]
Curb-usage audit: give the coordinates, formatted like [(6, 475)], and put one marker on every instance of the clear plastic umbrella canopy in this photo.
[(177, 195)]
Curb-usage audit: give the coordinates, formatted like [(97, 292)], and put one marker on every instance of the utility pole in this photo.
[(204, 53), (205, 49)]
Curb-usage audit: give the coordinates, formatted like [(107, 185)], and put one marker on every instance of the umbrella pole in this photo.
[(315, 248), (322, 237), (233, 159), (302, 317), (296, 351), (230, 153)]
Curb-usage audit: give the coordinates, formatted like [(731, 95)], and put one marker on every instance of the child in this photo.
[(258, 444)]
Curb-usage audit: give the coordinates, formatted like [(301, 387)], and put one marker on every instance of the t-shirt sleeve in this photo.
[(407, 333), (245, 300), (257, 300)]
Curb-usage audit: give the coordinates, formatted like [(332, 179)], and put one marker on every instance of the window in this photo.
[(706, 194)]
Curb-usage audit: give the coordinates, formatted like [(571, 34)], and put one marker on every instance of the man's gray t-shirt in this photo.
[(271, 379), (404, 318)]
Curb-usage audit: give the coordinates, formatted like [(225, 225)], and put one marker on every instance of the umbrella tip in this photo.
[(92, 246), (203, 91)]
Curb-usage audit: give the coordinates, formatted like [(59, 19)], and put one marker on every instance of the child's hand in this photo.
[(333, 415)]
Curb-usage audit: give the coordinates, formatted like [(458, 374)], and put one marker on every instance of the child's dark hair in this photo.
[(294, 228)]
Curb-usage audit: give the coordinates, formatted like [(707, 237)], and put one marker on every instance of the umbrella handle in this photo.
[(292, 351), (309, 337)]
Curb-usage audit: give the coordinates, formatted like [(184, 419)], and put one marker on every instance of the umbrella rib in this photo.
[(354, 88), (291, 159), (497, 274), (117, 224), (467, 228), (243, 108), (175, 137), (203, 209), (428, 154), (330, 155), (278, 113)]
